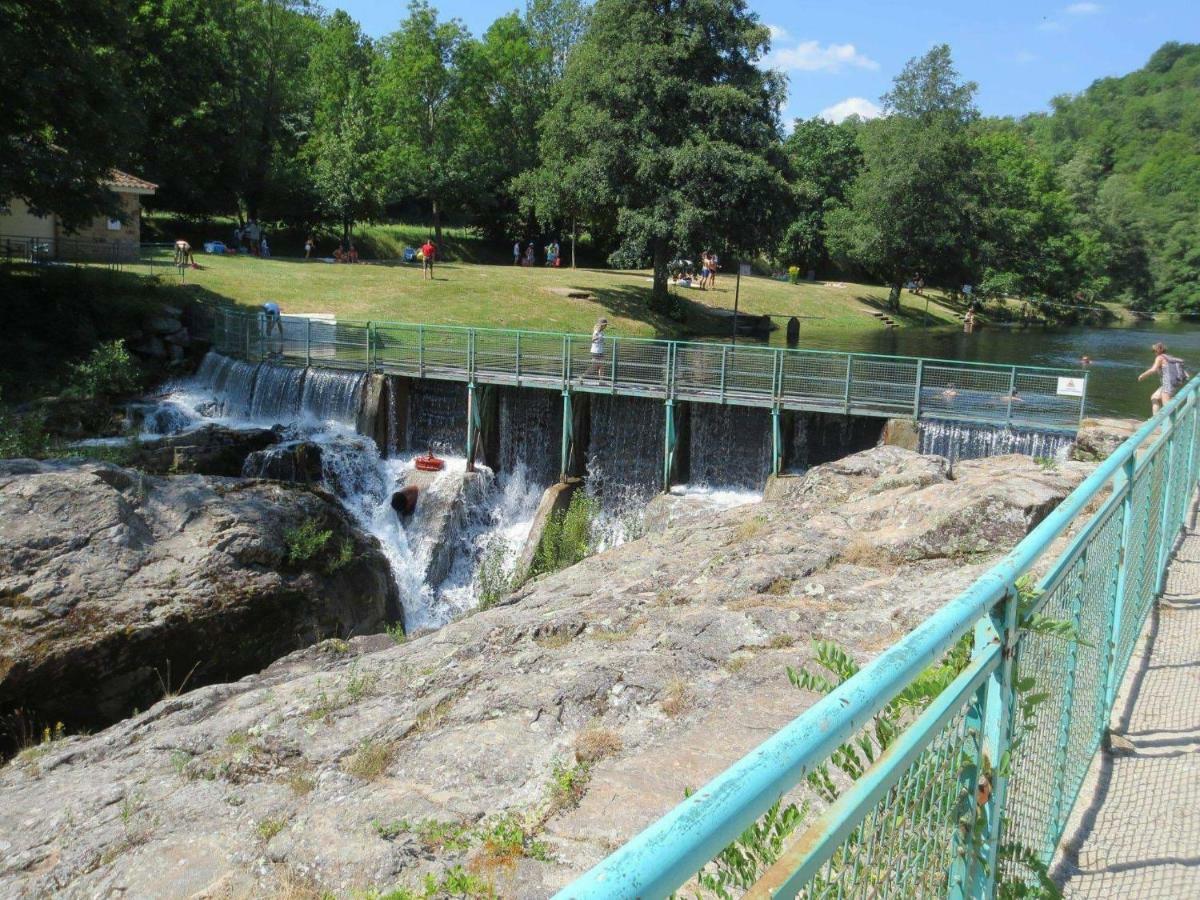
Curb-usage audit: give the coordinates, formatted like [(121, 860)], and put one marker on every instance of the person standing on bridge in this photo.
[(1171, 371), (272, 323), (596, 369)]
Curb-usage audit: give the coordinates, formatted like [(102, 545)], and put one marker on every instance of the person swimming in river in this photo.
[(404, 501)]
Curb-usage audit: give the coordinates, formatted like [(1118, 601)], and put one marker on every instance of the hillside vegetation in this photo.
[(1128, 152)]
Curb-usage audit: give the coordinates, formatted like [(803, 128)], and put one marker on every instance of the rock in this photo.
[(152, 346), (901, 433), (208, 450), (138, 581), (74, 419), (180, 338), (164, 325), (662, 661), (297, 461), (555, 499), (1098, 438)]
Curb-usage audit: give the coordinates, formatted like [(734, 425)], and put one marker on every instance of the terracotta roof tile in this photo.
[(118, 179)]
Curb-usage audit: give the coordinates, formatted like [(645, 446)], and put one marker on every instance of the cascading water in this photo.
[(963, 440), (730, 446), (625, 458), (277, 393), (437, 416), (331, 395), (530, 429)]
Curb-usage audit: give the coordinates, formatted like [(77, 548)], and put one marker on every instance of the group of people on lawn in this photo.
[(552, 254)]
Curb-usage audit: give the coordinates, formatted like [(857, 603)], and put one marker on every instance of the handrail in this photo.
[(814, 380), (668, 852)]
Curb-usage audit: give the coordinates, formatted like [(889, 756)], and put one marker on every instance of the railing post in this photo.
[(613, 374), (566, 360), (1111, 677), (518, 362), (995, 732), (308, 343), (568, 432), (471, 355), (777, 379), (669, 444), (776, 441), (917, 394), (849, 376), (1083, 398), (724, 359), (1166, 528), (472, 415), (1012, 386), (370, 360), (420, 351)]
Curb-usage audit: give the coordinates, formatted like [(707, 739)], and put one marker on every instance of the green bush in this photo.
[(494, 582), (305, 541), (23, 436), (568, 537), (108, 371)]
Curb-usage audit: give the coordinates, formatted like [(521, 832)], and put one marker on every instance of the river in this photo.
[(1118, 353)]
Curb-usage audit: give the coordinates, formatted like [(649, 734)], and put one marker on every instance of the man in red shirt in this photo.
[(428, 251)]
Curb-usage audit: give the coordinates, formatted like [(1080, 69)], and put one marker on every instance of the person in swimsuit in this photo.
[(1171, 371)]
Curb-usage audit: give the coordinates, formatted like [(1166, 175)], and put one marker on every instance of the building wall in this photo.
[(16, 221), (98, 234)]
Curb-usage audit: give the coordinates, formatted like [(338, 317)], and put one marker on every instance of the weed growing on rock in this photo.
[(179, 762), (433, 834), (301, 783), (396, 632), (781, 641), (864, 553), (736, 663), (343, 557), (434, 715), (370, 760), (1046, 463), (778, 587), (749, 528), (305, 541), (494, 582), (568, 537), (677, 698), (595, 743), (506, 840), (170, 691), (268, 828), (568, 784)]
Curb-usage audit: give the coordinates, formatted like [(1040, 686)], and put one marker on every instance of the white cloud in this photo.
[(1082, 9), (851, 106), (810, 56), (778, 33)]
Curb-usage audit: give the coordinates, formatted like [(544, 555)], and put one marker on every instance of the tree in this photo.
[(822, 161), (421, 107), (64, 115), (342, 146), (911, 208), (665, 124)]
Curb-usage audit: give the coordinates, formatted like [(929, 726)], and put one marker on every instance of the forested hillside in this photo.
[(1127, 151)]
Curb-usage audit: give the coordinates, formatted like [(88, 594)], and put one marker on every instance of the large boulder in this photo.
[(1098, 438), (115, 586), (208, 450), (582, 707)]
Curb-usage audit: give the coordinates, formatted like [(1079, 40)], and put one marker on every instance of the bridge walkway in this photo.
[(1135, 832)]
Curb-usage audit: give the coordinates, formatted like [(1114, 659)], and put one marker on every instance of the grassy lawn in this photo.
[(507, 296)]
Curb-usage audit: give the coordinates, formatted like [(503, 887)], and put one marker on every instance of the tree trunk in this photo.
[(661, 259), (894, 297), (574, 239), (437, 223)]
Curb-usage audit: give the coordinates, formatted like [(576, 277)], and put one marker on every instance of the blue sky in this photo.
[(841, 56)]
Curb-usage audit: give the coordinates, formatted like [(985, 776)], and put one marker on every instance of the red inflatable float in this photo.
[(429, 463)]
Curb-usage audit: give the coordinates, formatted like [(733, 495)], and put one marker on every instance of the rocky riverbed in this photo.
[(570, 716)]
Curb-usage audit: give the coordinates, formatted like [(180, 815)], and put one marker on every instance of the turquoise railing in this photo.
[(978, 787), (809, 380)]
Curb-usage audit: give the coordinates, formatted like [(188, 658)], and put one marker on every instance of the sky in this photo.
[(840, 57)]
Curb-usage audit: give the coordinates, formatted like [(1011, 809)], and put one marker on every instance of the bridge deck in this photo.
[(1135, 832), (808, 380)]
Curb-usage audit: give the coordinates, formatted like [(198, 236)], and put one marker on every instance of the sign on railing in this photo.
[(774, 378)]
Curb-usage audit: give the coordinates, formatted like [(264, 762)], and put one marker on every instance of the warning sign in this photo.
[(1071, 387)]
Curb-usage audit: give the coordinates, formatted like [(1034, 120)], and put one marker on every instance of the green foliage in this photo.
[(568, 783), (305, 541), (396, 632), (568, 536), (342, 558), (22, 435), (736, 868), (495, 582), (109, 371)]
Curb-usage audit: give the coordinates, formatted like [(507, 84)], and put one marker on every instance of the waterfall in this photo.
[(530, 434), (277, 391), (963, 440), (625, 451), (730, 446), (331, 395), (437, 416)]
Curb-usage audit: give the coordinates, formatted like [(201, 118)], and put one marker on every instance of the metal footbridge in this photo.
[(856, 384)]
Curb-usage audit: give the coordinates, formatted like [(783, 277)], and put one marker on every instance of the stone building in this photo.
[(25, 235)]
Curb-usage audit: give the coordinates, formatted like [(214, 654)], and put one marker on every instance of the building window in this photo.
[(114, 224)]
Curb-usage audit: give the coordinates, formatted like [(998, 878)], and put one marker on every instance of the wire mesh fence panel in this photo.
[(702, 371), (1037, 401), (750, 374), (495, 356), (446, 353), (905, 845), (398, 348), (882, 385), (965, 394), (639, 366), (541, 358), (814, 380)]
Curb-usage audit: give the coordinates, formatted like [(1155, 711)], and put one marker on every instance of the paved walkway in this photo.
[(1135, 831)]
